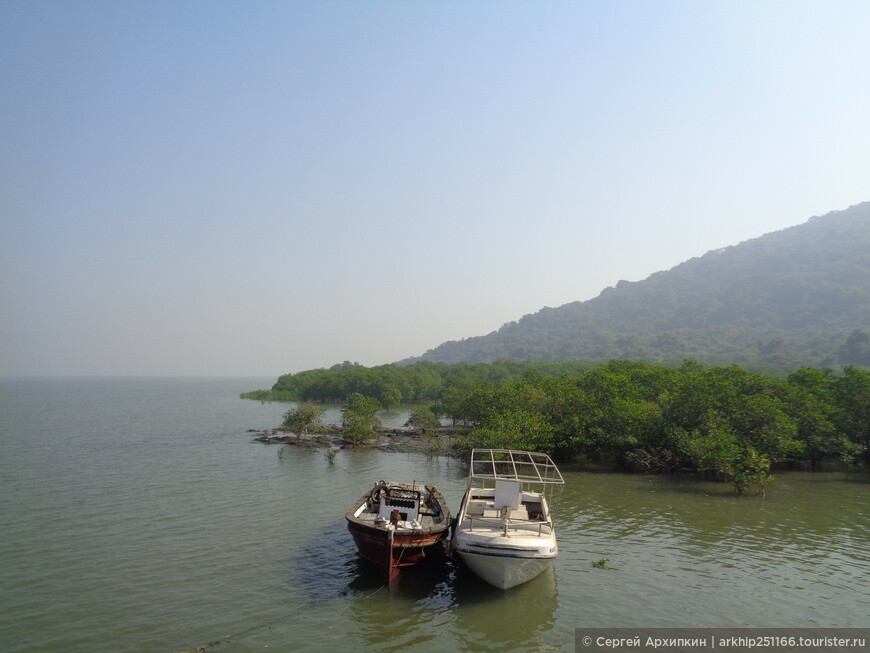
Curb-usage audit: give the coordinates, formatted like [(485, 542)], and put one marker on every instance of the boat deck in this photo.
[(407, 508), (481, 514), (423, 522)]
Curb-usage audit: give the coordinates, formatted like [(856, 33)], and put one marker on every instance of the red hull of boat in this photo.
[(408, 549)]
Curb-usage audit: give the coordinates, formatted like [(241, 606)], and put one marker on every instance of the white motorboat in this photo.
[(504, 531)]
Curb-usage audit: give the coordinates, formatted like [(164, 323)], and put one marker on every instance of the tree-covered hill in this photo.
[(800, 296)]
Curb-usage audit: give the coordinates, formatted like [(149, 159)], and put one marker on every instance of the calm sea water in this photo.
[(137, 515)]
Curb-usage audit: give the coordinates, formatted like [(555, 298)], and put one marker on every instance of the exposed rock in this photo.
[(394, 439)]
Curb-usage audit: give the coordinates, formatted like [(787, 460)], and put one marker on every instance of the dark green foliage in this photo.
[(267, 396), (423, 418), (390, 396), (426, 421), (516, 429), (852, 399), (796, 297), (303, 418), (359, 418), (396, 384), (724, 421)]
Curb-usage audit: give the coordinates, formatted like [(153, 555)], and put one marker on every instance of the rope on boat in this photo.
[(389, 573)]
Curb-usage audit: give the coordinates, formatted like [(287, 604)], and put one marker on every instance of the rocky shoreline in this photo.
[(402, 440)]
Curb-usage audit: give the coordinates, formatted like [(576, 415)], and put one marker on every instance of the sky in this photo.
[(233, 188)]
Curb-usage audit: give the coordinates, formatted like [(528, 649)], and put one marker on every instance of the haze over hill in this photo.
[(800, 296)]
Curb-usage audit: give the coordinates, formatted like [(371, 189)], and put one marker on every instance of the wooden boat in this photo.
[(397, 525), (504, 532)]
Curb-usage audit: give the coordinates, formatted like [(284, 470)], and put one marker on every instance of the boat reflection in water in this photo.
[(446, 607), (489, 619)]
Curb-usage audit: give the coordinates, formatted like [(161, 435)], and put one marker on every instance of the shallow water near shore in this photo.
[(137, 515)]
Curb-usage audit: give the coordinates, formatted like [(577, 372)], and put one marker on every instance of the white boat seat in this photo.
[(507, 493)]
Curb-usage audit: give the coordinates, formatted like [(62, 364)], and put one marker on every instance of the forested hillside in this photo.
[(800, 296)]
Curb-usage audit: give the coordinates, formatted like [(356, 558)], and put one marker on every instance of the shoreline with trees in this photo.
[(723, 422)]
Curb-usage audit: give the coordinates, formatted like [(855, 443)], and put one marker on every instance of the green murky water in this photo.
[(136, 515)]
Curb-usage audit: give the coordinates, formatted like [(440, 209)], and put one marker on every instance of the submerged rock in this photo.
[(393, 439)]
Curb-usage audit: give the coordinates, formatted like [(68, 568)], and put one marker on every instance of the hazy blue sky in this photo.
[(252, 188)]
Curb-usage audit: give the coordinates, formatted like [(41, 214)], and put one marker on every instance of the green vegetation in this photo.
[(424, 419), (302, 419), (359, 418), (394, 384), (723, 421), (785, 307)]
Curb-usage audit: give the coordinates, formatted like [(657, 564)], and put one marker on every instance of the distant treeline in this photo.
[(725, 421), (393, 385)]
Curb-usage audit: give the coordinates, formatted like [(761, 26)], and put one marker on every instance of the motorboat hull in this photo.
[(505, 562), (502, 570)]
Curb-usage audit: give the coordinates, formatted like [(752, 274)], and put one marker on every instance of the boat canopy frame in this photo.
[(511, 475), (513, 465)]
